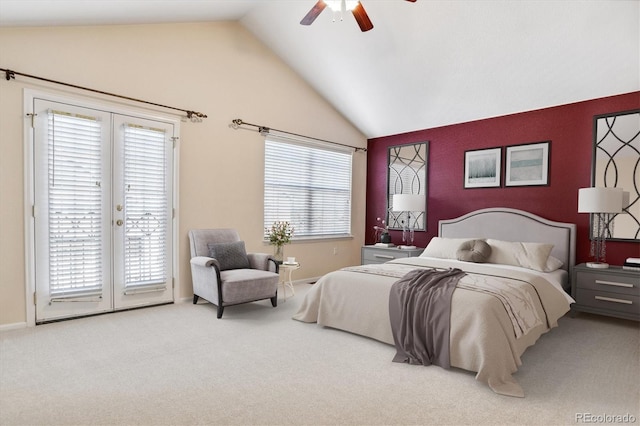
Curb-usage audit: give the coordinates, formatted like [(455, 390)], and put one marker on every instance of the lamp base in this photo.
[(597, 265), (407, 247)]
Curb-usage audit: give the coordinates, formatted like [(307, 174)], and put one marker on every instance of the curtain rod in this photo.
[(237, 123), (11, 75)]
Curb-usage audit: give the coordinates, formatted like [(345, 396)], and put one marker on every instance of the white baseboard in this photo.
[(311, 280), (13, 326)]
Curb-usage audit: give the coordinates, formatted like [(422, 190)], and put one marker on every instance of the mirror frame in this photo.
[(610, 176), (412, 157)]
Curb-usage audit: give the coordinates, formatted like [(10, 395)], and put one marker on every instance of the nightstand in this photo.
[(375, 254), (612, 291)]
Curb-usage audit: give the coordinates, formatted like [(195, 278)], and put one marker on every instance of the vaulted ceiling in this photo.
[(424, 64)]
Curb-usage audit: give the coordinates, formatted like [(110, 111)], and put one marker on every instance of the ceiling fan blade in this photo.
[(313, 13), (362, 18)]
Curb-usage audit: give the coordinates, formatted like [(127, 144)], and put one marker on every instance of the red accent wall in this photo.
[(568, 127)]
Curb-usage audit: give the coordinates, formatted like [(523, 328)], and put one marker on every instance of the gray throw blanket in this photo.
[(420, 312)]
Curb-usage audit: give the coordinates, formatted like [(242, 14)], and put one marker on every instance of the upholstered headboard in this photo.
[(515, 225)]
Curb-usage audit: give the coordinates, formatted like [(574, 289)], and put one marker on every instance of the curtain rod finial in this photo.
[(191, 114)]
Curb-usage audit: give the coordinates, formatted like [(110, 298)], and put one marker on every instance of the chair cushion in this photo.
[(229, 255), (242, 285)]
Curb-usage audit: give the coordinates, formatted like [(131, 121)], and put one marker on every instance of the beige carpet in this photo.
[(179, 365)]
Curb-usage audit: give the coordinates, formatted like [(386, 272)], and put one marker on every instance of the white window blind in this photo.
[(309, 186), (75, 204), (146, 216)]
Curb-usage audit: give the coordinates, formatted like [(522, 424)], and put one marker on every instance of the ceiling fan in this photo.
[(341, 6)]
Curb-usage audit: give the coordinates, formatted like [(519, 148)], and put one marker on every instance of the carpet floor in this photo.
[(179, 365)]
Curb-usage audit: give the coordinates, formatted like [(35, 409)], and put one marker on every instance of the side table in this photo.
[(288, 269)]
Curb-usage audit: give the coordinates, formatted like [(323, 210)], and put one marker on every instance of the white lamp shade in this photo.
[(408, 203), (600, 200)]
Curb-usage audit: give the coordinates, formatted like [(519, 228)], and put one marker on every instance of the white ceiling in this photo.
[(424, 64)]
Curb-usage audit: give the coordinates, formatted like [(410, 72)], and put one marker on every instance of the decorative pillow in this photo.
[(476, 251), (527, 255), (229, 255), (443, 248)]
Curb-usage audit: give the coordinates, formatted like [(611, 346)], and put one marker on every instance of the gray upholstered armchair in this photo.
[(224, 274)]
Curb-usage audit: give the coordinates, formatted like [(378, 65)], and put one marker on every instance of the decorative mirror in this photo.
[(407, 174), (616, 164)]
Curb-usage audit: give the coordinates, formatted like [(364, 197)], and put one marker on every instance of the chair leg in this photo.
[(195, 298), (220, 310), (274, 300)]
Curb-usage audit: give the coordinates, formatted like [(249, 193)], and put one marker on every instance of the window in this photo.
[(308, 185)]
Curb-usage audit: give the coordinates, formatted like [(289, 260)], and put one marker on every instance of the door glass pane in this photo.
[(145, 206), (75, 204)]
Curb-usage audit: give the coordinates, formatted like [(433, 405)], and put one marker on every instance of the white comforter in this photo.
[(482, 337)]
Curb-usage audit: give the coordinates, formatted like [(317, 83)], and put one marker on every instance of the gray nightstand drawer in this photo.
[(381, 255), (372, 254), (605, 300), (628, 285)]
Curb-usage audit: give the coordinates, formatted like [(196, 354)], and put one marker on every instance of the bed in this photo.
[(483, 337)]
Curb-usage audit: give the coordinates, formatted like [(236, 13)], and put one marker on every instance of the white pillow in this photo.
[(553, 263), (527, 255), (443, 248)]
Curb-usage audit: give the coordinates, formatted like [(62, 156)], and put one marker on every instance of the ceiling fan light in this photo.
[(336, 5), (351, 4)]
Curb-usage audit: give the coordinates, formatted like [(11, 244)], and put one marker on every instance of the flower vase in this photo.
[(278, 253)]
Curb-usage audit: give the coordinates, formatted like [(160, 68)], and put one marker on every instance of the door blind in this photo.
[(145, 205), (309, 186), (74, 205)]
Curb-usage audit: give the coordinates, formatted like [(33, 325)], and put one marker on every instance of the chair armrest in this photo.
[(204, 261), (260, 261), (205, 277)]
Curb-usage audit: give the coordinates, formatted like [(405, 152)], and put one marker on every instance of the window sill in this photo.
[(306, 240)]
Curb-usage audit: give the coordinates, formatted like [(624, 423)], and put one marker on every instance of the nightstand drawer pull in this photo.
[(383, 256), (611, 299), (614, 283)]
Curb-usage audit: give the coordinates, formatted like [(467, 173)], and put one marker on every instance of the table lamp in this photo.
[(603, 203), (408, 203)]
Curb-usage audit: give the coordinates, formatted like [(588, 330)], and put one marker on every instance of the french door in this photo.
[(103, 203)]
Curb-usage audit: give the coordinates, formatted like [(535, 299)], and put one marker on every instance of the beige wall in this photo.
[(216, 68)]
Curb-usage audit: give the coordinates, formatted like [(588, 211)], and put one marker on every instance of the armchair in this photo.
[(231, 276)]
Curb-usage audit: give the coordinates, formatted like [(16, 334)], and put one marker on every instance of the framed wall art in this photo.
[(482, 168), (527, 164)]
